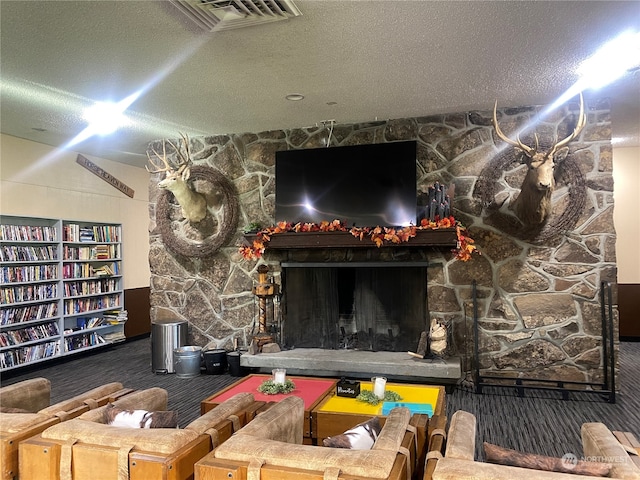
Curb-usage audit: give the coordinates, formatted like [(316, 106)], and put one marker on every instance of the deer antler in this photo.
[(163, 157), (185, 159), (526, 149), (582, 121)]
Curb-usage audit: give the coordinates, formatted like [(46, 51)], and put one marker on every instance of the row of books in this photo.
[(26, 233), (91, 287), (98, 233), (96, 252), (9, 316), (80, 305), (115, 337), (19, 356), (28, 293), (115, 317), (28, 273), (88, 270), (82, 341), (84, 323), (28, 253), (35, 332)]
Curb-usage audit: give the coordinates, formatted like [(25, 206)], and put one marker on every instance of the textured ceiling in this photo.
[(352, 60)]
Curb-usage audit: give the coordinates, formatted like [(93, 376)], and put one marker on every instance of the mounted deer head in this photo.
[(194, 205), (533, 204)]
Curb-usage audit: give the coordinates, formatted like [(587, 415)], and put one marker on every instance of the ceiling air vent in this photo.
[(214, 15)]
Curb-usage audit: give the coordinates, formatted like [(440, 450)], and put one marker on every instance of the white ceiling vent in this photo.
[(214, 15)]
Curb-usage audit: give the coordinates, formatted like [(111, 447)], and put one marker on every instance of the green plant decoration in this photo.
[(253, 227), (269, 387), (368, 396)]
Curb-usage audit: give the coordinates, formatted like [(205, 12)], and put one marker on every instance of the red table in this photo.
[(311, 390)]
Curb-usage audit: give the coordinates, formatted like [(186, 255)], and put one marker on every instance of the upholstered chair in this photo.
[(270, 446), (25, 411), (89, 448), (458, 462)]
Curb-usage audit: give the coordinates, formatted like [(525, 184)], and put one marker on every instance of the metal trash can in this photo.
[(187, 361), (166, 336)]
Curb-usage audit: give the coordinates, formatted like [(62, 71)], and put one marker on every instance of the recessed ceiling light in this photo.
[(294, 97)]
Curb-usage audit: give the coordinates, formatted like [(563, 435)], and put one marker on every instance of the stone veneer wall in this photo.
[(538, 302)]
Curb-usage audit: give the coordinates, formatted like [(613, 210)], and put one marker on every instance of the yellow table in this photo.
[(336, 414)]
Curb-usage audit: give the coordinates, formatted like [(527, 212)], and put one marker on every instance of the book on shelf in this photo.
[(12, 315), (115, 317), (104, 271), (83, 341), (115, 337), (25, 233)]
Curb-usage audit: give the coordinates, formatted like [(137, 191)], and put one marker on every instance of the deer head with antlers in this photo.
[(194, 204), (533, 204)]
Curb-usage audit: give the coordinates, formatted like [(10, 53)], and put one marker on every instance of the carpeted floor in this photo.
[(535, 423)]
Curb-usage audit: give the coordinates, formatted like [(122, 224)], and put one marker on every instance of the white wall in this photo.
[(39, 181), (626, 213)]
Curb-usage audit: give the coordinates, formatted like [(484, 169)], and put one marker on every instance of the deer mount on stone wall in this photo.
[(533, 204), (194, 204)]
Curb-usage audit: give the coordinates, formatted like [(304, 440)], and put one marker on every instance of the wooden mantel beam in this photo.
[(442, 237)]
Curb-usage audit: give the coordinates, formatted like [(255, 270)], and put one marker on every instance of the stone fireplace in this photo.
[(538, 304)]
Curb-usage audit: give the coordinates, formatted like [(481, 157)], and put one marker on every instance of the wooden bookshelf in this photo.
[(59, 279)]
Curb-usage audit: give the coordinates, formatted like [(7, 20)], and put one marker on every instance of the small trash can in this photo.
[(187, 361), (166, 336), (235, 370), (215, 361)]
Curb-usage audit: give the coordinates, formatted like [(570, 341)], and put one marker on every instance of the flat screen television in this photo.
[(362, 185)]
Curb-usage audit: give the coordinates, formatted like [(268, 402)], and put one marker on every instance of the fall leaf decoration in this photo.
[(378, 235)]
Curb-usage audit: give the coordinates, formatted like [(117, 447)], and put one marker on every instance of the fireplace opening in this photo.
[(377, 306)]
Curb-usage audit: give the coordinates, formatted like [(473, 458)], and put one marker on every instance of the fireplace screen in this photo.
[(364, 308)]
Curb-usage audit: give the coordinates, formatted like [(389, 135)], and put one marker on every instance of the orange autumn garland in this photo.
[(378, 235)]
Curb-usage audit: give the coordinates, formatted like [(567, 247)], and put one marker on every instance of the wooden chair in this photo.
[(436, 445), (270, 448), (459, 462), (25, 412), (87, 448)]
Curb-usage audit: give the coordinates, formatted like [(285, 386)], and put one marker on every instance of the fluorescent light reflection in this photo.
[(33, 93), (104, 118), (609, 63)]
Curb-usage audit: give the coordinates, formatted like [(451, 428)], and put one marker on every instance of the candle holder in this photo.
[(278, 383), (379, 385), (279, 376)]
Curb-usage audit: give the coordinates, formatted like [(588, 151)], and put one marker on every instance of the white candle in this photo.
[(279, 375), (379, 384)]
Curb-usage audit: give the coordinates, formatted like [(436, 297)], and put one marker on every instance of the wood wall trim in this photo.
[(138, 305), (629, 309)]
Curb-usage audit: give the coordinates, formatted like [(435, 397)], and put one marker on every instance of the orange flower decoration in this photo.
[(378, 235)]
